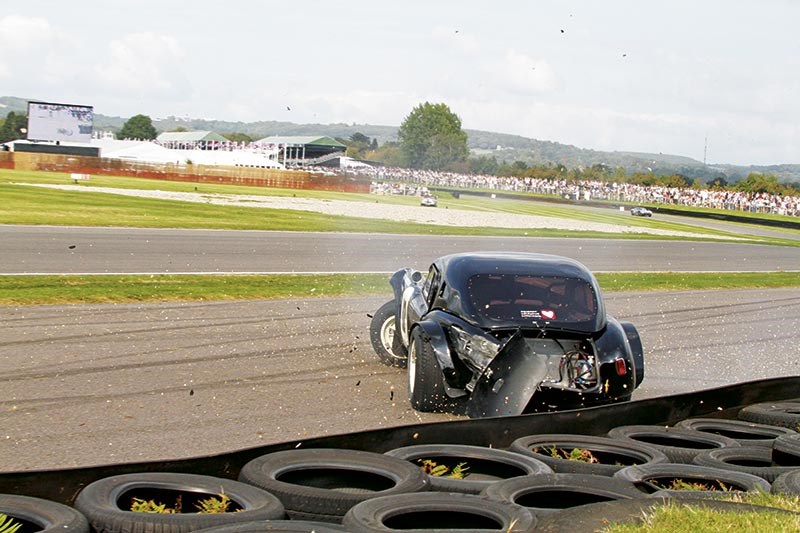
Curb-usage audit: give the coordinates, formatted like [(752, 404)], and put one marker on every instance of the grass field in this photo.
[(37, 206), (33, 290)]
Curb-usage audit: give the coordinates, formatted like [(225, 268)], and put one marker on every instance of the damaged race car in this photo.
[(505, 333)]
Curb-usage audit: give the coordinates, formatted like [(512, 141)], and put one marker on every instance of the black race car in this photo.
[(504, 334)]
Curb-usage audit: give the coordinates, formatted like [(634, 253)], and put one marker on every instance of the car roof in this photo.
[(465, 265), (457, 269)]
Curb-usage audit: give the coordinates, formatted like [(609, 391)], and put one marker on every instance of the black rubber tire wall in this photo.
[(323, 484), (51, 517), (726, 458), (98, 501), (684, 445), (642, 475), (783, 414), (743, 432), (569, 490), (639, 452), (438, 512), (477, 457)]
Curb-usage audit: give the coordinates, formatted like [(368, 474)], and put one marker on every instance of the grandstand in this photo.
[(305, 150)]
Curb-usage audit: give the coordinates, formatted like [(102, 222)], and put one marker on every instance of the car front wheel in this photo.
[(382, 331), (425, 386)]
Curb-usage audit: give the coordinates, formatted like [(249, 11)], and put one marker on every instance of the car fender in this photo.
[(635, 342), (611, 345), (441, 349), (509, 382)]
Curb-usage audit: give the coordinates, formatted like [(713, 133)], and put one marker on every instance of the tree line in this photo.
[(431, 137)]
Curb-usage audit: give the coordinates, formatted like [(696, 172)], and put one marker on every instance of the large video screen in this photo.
[(60, 122)]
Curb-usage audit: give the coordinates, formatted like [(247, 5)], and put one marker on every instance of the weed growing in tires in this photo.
[(682, 484), (208, 506), (576, 454), (431, 468), (7, 525)]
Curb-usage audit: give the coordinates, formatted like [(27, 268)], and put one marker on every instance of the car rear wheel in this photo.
[(425, 386), (382, 331)]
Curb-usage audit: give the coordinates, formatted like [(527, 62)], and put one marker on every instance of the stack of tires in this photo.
[(536, 484)]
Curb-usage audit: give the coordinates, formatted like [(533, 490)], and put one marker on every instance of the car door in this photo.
[(416, 301)]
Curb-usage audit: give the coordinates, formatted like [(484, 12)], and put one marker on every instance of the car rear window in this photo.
[(520, 298)]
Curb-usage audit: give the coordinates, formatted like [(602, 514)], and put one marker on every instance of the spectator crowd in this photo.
[(390, 180)]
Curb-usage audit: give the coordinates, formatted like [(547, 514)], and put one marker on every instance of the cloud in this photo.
[(27, 44), (145, 65), (521, 73)]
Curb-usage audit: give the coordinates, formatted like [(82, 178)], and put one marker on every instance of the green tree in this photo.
[(138, 127), (756, 182), (14, 127), (238, 137), (431, 137)]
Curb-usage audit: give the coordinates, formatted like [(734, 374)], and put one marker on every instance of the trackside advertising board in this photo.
[(60, 122)]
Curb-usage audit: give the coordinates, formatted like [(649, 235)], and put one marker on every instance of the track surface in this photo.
[(126, 250), (101, 384)]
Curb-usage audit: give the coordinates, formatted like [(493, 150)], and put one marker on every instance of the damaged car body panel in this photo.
[(510, 333)]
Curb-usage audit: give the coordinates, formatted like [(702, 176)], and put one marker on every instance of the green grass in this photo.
[(674, 518), (38, 206), (36, 290)]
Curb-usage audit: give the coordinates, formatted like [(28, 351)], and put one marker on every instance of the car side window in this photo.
[(431, 286)]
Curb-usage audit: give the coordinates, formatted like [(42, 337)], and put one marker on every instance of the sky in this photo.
[(713, 78)]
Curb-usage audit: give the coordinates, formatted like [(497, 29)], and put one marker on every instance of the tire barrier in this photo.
[(677, 480), (595, 455), (107, 503), (788, 483), (483, 466), (360, 483), (743, 432), (783, 414), (43, 516), (277, 526), (756, 460), (679, 445), (438, 511), (323, 484), (546, 493), (786, 450)]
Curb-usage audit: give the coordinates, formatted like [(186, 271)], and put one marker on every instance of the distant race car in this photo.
[(641, 212), (427, 200), (506, 333)]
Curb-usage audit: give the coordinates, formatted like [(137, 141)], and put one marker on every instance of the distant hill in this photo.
[(502, 146)]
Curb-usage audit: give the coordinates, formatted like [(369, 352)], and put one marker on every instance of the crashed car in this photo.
[(497, 334), (641, 212)]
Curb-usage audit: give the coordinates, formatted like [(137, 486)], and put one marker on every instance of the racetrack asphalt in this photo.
[(100, 384)]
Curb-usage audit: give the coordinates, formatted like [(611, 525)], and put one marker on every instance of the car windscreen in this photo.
[(525, 299)]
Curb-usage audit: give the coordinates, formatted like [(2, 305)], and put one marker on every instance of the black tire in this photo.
[(425, 381), (656, 480), (601, 516), (786, 450), (438, 511), (783, 414), (485, 466), (679, 445), (743, 432), (547, 493), (788, 483), (104, 503), (613, 454), (277, 526), (756, 460), (43, 516), (323, 484), (387, 346)]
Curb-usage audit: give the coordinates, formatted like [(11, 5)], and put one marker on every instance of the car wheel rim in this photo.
[(387, 334)]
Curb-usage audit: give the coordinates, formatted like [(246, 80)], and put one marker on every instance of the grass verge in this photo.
[(38, 290), (674, 518)]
